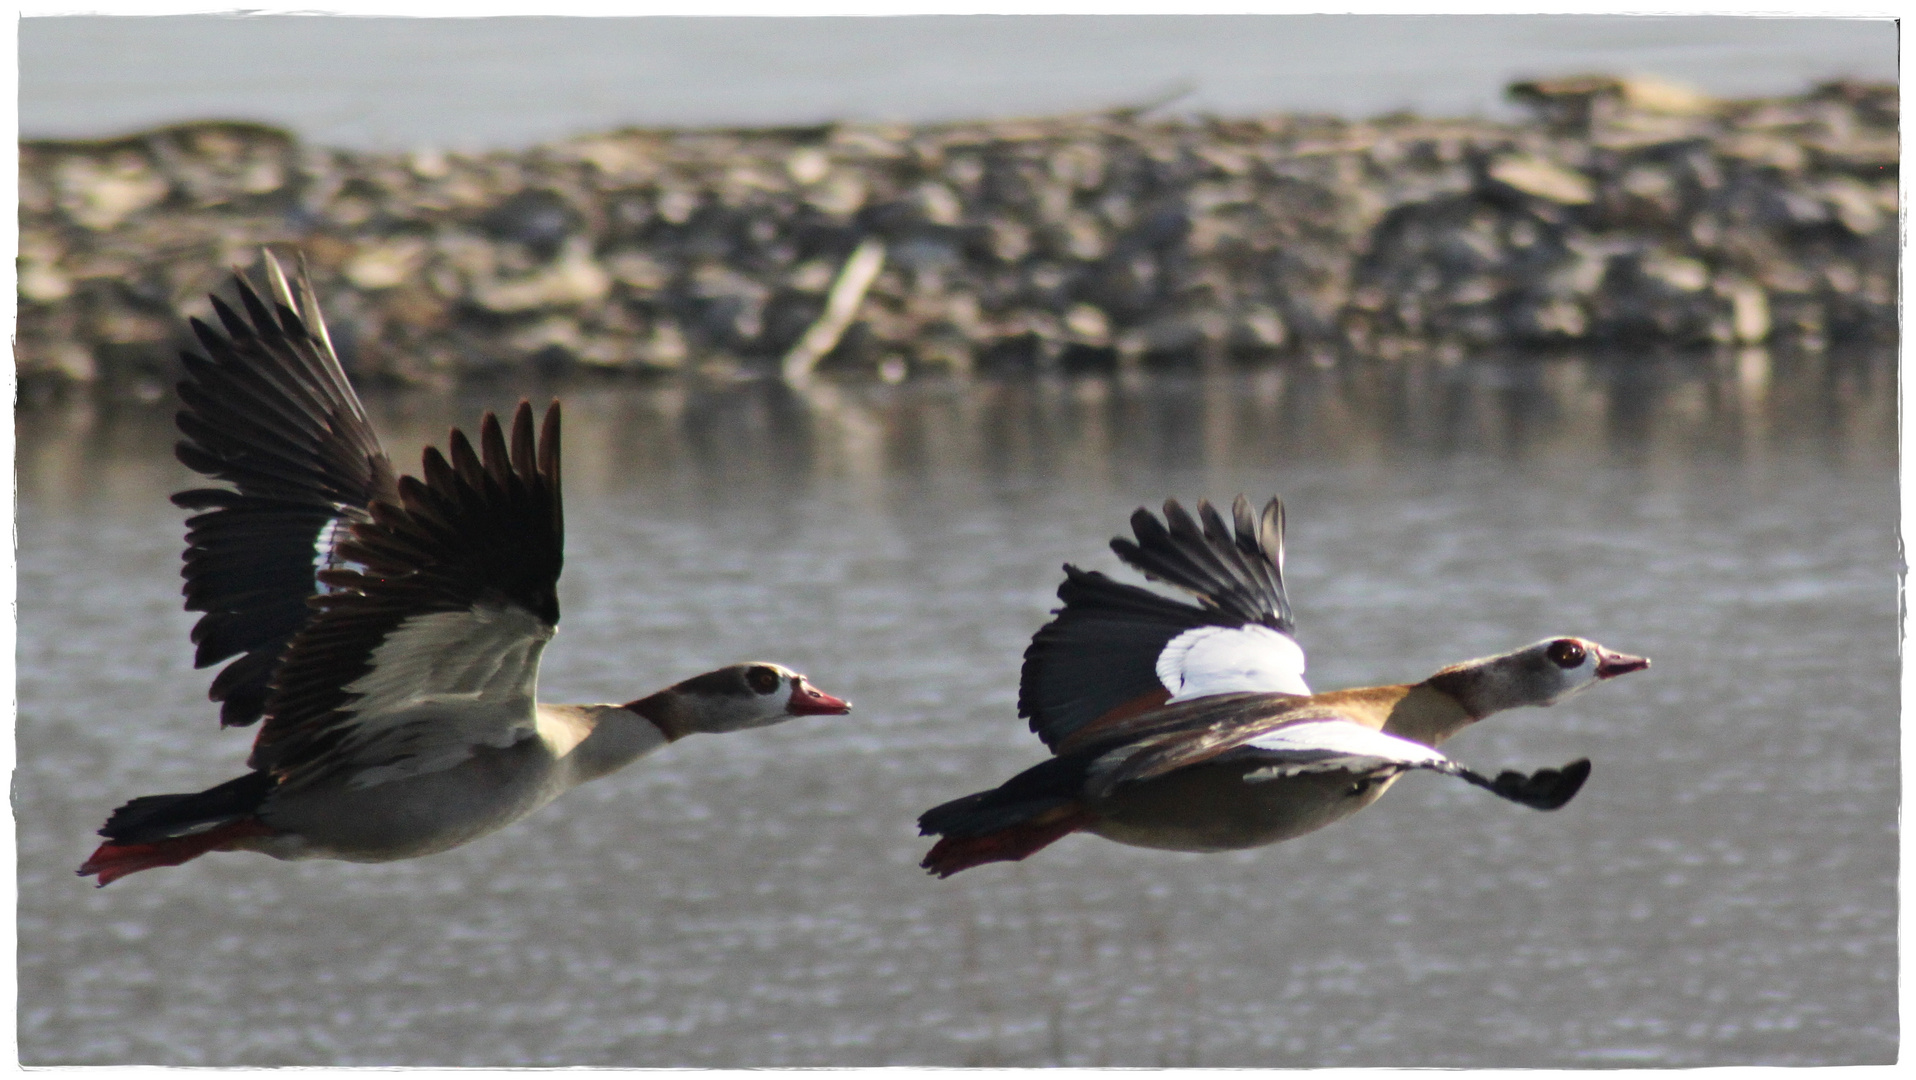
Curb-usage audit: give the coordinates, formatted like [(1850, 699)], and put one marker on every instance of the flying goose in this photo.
[(388, 631), (1192, 728)]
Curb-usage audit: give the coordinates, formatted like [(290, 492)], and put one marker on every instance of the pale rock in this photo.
[(40, 280), (429, 163), (813, 276), (1543, 179), (666, 347), (1854, 205), (1653, 95), (101, 195), (1010, 241), (1087, 324), (677, 204), (638, 270), (1263, 326), (1676, 271), (1560, 316), (808, 165), (841, 195), (939, 205), (382, 265), (1749, 312), (571, 280)]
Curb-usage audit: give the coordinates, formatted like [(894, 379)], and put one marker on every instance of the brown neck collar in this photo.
[(666, 711)]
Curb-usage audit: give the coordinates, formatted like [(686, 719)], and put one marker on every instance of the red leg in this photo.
[(114, 861)]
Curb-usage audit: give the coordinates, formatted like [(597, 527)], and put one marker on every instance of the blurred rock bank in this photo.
[(1625, 214)]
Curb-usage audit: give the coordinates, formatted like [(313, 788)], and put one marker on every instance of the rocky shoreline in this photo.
[(1624, 214)]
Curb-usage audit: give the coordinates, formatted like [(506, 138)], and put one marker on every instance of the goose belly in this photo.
[(1211, 808), (421, 815)]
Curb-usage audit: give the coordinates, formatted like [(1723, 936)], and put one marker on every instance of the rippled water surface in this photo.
[(1722, 892)]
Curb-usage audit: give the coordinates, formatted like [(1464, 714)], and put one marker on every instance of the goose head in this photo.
[(737, 698), (1540, 674)]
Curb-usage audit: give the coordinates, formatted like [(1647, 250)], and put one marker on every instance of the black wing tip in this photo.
[(483, 520), (263, 319), (1174, 511), (1236, 568), (1545, 789), (265, 409), (548, 453), (530, 457)]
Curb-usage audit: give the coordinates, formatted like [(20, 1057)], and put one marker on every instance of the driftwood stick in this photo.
[(841, 305)]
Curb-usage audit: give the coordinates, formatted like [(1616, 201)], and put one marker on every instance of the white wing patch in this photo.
[(1334, 745), (1231, 659), (326, 548), (440, 686)]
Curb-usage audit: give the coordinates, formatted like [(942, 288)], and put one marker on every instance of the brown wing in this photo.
[(1178, 736)]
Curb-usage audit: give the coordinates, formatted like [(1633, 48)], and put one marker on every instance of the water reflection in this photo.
[(1736, 405)]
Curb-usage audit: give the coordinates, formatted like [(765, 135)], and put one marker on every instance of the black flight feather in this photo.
[(269, 410), (486, 527), (1240, 576), (1101, 651)]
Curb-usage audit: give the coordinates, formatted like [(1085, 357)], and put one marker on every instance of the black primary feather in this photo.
[(1100, 652), (1240, 576), (1545, 789), (269, 410)]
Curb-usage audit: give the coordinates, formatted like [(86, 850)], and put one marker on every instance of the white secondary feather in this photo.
[(1231, 659), (1333, 745), (441, 685)]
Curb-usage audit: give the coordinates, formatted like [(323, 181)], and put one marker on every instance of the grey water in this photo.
[(1722, 892), (509, 82)]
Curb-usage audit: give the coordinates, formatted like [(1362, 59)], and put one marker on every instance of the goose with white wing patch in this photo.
[(1192, 728), (387, 631)]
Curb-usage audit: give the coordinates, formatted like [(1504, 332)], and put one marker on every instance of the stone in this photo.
[(1749, 312), (1631, 212), (573, 279), (1542, 179), (384, 265), (1087, 324)]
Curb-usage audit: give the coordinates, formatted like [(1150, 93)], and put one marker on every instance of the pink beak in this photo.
[(808, 700), (1612, 664)]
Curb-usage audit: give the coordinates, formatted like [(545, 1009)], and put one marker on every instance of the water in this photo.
[(511, 82), (1723, 891)]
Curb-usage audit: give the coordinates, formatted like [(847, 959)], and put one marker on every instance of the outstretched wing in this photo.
[(425, 646), (1177, 736), (269, 410), (1340, 745), (1330, 745), (1115, 651), (1281, 738)]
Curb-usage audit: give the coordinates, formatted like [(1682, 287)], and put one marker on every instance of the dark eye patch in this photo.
[(1565, 653), (762, 680)]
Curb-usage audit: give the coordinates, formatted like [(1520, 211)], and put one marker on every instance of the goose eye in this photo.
[(762, 680), (1565, 653)]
